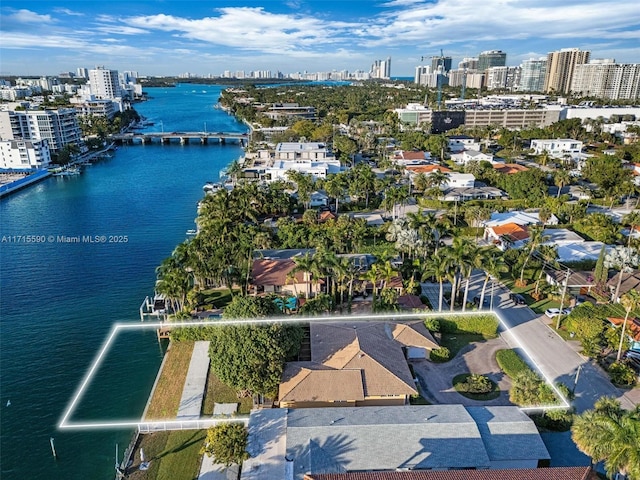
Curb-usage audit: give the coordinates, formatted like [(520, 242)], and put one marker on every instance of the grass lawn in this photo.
[(218, 392), (172, 455), (457, 341), (166, 397), (218, 297), (535, 305), (460, 379)]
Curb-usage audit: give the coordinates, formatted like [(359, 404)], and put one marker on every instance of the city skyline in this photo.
[(207, 38)]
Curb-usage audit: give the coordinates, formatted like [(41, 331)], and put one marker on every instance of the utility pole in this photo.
[(564, 292)]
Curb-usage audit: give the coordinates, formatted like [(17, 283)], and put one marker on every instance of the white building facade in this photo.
[(105, 84), (558, 147), (59, 127), (24, 154)]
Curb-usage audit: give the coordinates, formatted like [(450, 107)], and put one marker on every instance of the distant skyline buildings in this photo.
[(533, 74), (166, 38), (491, 58), (560, 67)]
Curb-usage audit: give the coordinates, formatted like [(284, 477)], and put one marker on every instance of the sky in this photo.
[(162, 37)]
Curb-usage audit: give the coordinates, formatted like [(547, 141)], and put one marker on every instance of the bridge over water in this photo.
[(181, 138)]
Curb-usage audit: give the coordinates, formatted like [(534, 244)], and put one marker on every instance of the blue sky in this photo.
[(208, 37)]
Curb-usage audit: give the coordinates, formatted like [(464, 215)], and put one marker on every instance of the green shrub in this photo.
[(432, 324), (622, 374), (476, 383), (511, 363), (558, 420), (478, 324), (440, 355)]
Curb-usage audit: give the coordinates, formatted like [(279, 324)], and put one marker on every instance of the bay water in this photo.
[(59, 299)]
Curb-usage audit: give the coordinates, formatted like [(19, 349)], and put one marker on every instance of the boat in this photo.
[(192, 232), (212, 187), (67, 172)]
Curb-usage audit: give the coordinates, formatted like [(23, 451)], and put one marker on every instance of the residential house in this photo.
[(270, 275), (509, 168), (411, 157), (291, 443), (632, 329), (459, 143), (311, 158), (519, 217), (578, 283), (508, 235), (558, 148), (630, 281), (472, 193), (557, 473), (473, 156), (356, 364), (575, 252)]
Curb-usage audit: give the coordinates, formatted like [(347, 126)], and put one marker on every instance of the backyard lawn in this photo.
[(171, 455), (166, 397), (218, 392)]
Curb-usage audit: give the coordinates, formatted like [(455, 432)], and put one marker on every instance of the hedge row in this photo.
[(511, 363), (478, 324)]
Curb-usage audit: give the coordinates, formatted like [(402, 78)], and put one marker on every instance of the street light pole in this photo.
[(564, 291)]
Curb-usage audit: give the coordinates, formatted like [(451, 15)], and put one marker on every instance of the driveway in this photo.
[(553, 356), (436, 378)]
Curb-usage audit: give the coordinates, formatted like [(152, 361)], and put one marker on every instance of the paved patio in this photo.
[(195, 383)]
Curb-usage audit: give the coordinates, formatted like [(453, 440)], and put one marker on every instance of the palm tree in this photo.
[(610, 434), (372, 276), (437, 179), (561, 179), (493, 265), (633, 220), (458, 256), (535, 239), (549, 254), (306, 265), (437, 267), (631, 301), (335, 187)]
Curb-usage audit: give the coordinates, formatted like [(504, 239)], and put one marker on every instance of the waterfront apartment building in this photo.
[(491, 58), (533, 73), (603, 78), (24, 154), (560, 68), (104, 84), (58, 127)]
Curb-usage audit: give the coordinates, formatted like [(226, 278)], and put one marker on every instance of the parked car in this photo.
[(517, 299), (485, 301), (635, 354), (554, 312), (634, 363)]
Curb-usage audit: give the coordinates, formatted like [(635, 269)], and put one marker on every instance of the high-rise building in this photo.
[(104, 84), (468, 63), (381, 69), (82, 72), (440, 61), (491, 58), (502, 78), (603, 78), (560, 67), (422, 74), (533, 75), (58, 127)]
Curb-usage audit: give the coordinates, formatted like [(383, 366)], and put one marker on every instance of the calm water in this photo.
[(59, 300)]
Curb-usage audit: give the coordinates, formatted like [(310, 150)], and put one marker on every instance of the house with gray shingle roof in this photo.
[(390, 438)]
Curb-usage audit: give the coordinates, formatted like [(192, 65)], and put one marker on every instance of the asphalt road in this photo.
[(555, 358)]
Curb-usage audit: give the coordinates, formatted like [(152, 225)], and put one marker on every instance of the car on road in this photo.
[(554, 312), (485, 302), (517, 299)]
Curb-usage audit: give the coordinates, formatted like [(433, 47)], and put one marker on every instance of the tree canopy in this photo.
[(227, 443)]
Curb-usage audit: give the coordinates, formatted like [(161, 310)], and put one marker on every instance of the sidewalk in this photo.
[(195, 383)]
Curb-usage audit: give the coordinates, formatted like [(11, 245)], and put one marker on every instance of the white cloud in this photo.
[(27, 16), (66, 11), (121, 30)]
